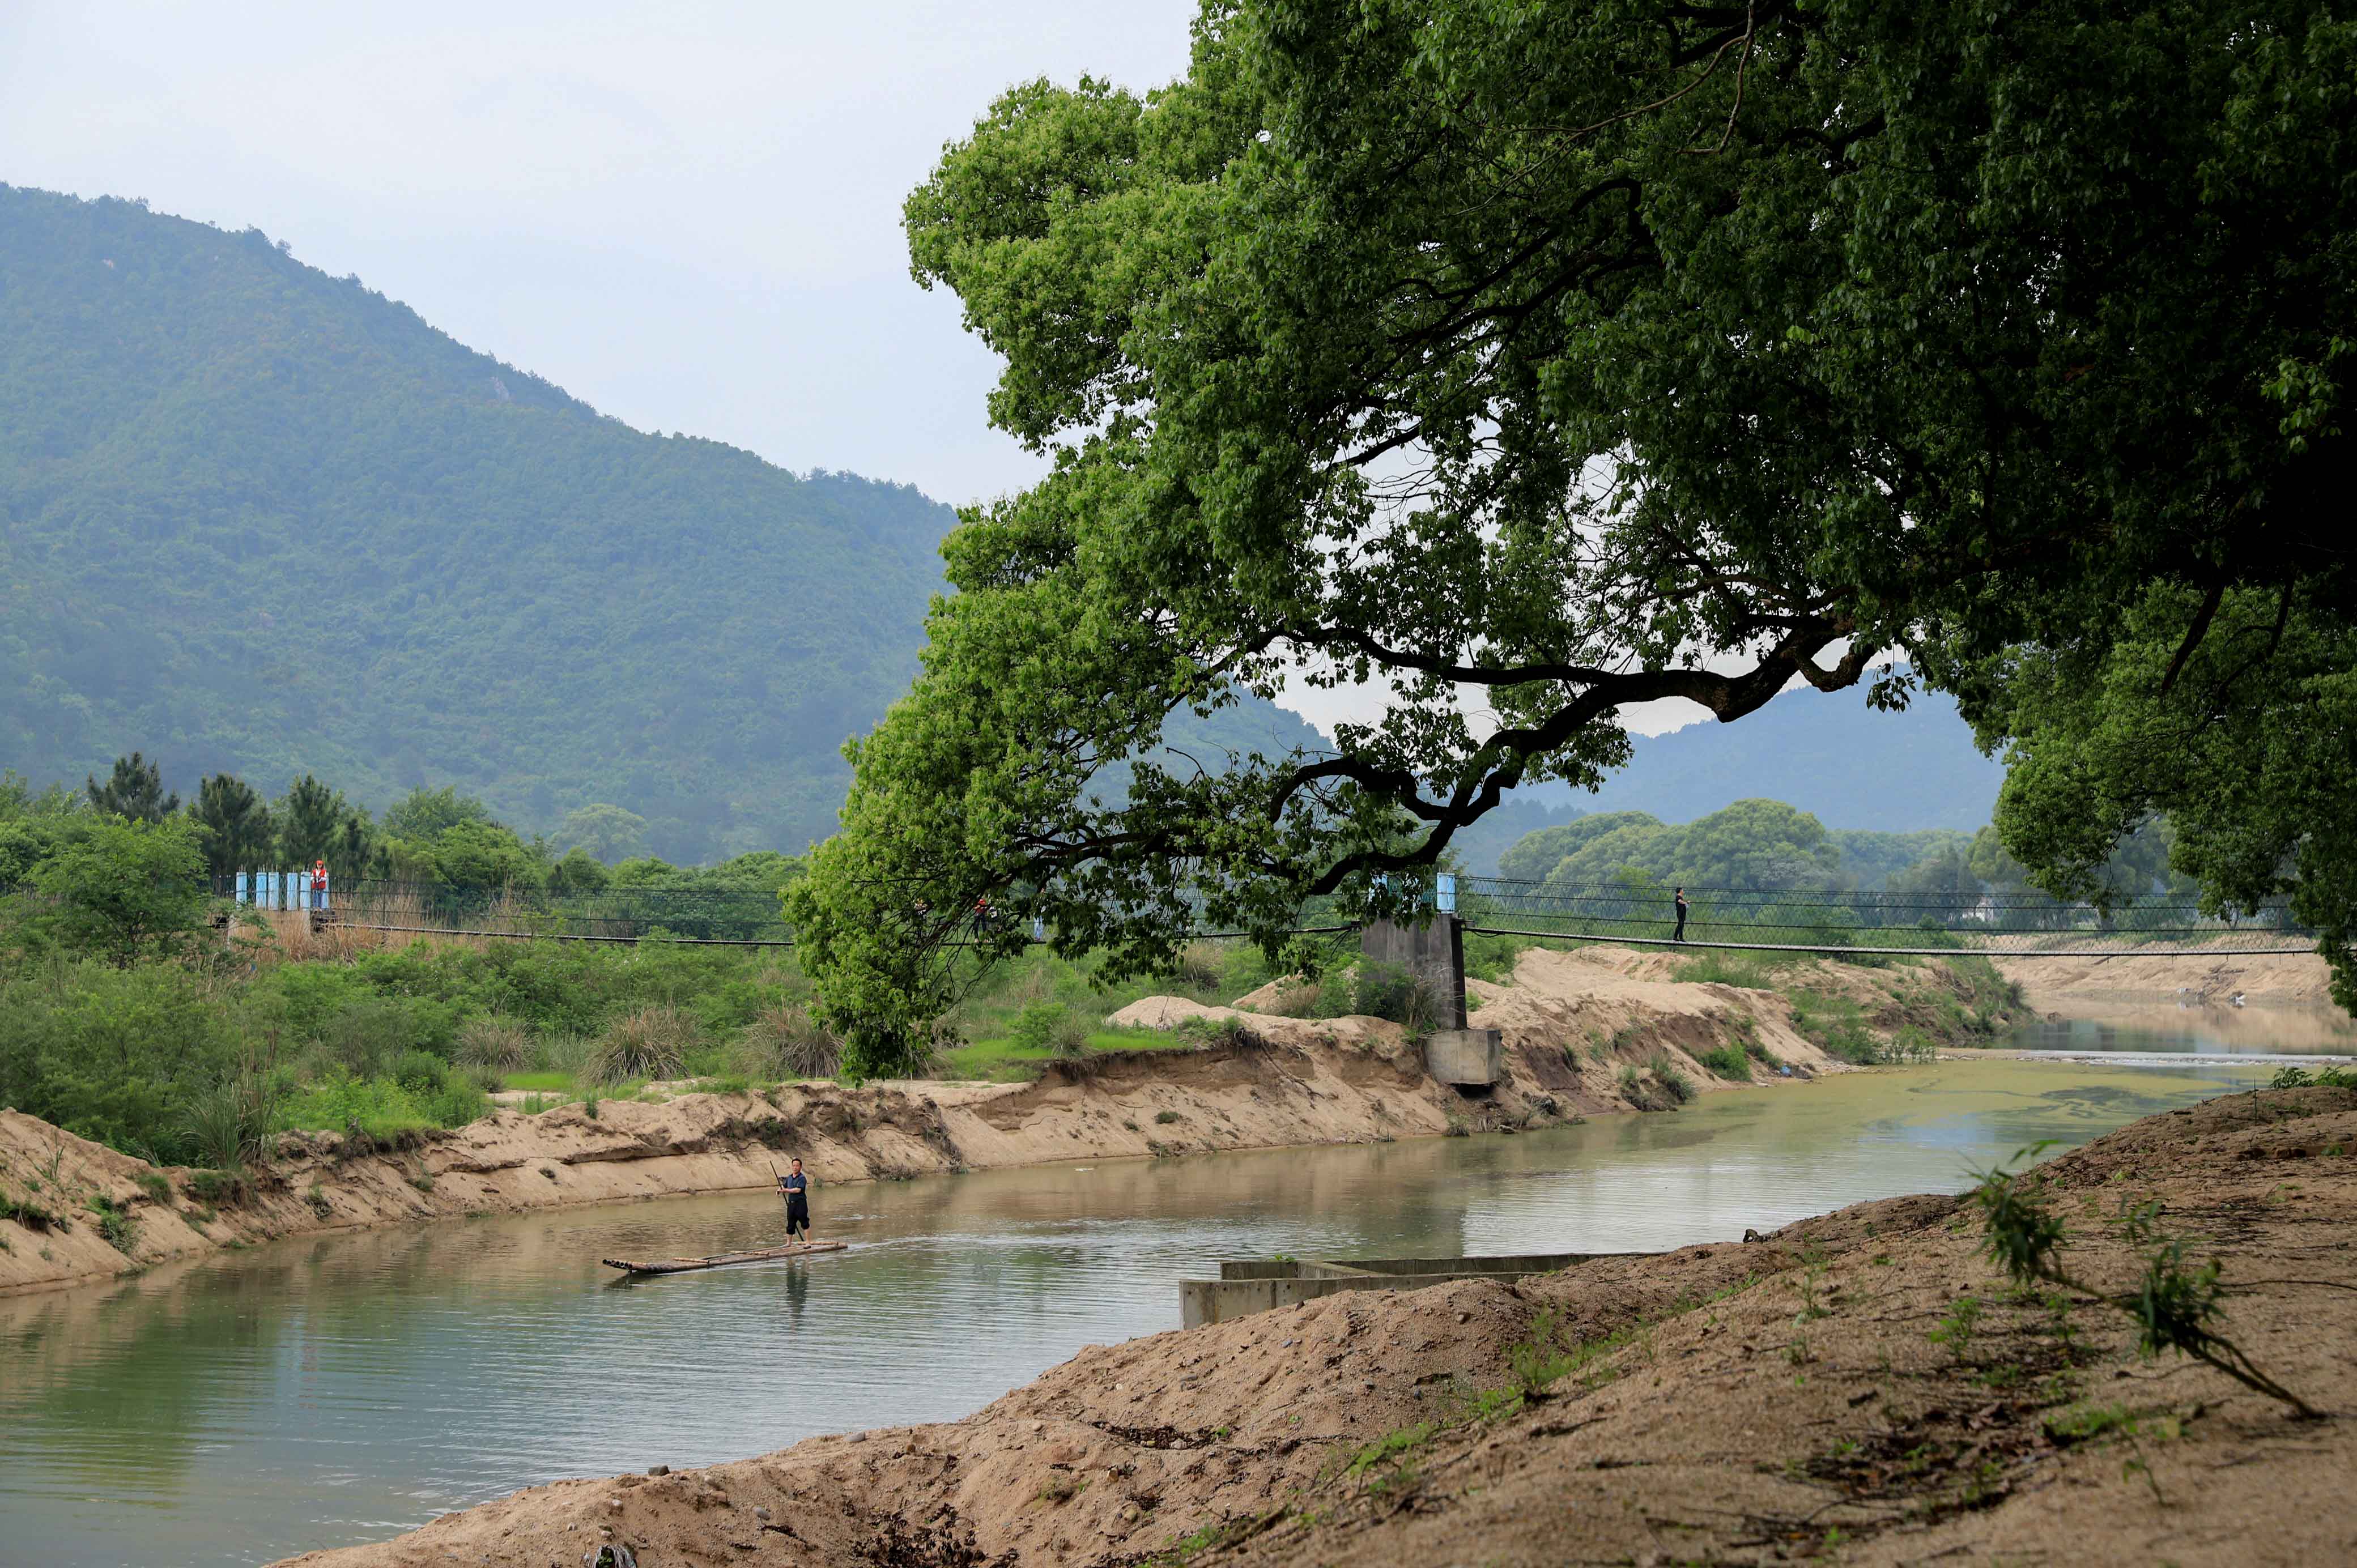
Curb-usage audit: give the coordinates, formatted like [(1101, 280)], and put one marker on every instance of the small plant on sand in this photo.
[(2174, 1306), (29, 1214), (1676, 1084), (2323, 1077), (1164, 1118), (1540, 1358), (1955, 1330), (116, 1224), (218, 1189), (1727, 1062)]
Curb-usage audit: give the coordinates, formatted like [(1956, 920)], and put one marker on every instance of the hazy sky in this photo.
[(687, 215)]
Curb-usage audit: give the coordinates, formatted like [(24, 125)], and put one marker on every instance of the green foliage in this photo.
[(125, 889), (281, 509), (2230, 712), (784, 1042), (1834, 1025), (219, 1187), (1676, 1084), (233, 825), (1724, 358), (1051, 1027), (113, 1054), (2333, 1076), (224, 1123), (1764, 844), (577, 873), (652, 1042), (1389, 991), (1955, 1330), (309, 818), (30, 1215), (1727, 1061), (380, 1109), (118, 1224), (134, 791)]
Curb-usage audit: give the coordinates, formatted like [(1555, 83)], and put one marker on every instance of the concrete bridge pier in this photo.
[(1432, 951)]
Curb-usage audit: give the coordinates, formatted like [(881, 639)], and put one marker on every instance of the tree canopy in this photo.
[(1537, 360)]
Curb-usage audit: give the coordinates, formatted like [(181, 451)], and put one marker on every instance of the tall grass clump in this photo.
[(1052, 1028), (1676, 1084), (226, 1124), (651, 1042), (785, 1042), (494, 1040)]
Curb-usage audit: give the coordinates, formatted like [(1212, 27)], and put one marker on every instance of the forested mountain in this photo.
[(260, 519)]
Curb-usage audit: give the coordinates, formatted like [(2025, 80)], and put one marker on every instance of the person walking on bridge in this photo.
[(1680, 934)]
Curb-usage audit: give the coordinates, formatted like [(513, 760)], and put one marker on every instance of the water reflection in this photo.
[(330, 1390)]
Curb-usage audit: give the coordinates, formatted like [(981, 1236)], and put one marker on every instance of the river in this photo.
[(324, 1390)]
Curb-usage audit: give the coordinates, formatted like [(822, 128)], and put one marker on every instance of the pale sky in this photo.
[(686, 215)]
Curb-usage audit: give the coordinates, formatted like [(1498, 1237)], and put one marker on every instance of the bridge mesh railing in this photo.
[(1724, 917), (609, 914)]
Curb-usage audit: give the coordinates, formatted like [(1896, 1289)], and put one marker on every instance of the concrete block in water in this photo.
[(1250, 1285), (1473, 1058)]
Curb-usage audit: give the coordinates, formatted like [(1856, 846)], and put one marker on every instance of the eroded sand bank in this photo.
[(1574, 1025), (1733, 1404)]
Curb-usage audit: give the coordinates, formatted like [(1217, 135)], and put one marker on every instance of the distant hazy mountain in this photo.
[(1863, 774), (257, 519), (263, 519), (1826, 752)]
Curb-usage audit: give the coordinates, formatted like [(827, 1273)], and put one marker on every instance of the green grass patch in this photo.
[(544, 1082), (1010, 1060), (1755, 969)]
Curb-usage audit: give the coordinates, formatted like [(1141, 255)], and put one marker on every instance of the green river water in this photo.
[(326, 1391)]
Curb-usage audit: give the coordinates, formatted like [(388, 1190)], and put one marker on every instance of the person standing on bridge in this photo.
[(1680, 934)]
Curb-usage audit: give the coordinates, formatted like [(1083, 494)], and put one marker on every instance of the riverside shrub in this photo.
[(113, 1054)]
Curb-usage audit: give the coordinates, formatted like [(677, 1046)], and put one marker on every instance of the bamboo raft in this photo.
[(720, 1260)]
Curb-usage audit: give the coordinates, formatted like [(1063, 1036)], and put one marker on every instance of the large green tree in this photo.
[(1535, 360), (134, 791), (124, 890), (233, 825)]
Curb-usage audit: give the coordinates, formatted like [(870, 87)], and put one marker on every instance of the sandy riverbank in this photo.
[(1743, 1402), (2097, 987), (1582, 1032)]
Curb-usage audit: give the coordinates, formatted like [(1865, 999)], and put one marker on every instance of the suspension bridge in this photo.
[(1831, 922)]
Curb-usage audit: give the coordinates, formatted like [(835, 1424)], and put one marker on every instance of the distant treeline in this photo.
[(1768, 846), (428, 835)]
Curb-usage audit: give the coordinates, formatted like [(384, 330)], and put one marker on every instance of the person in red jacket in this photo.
[(319, 885)]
